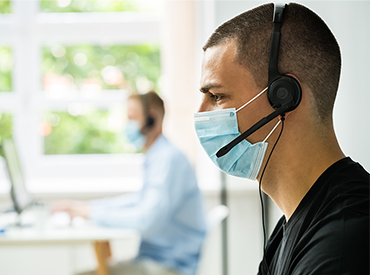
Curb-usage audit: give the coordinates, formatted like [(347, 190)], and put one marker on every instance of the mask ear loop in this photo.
[(264, 90), (273, 129)]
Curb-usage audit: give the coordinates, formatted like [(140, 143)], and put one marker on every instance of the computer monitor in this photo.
[(20, 196)]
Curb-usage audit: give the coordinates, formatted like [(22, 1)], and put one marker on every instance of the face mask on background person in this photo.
[(134, 135), (215, 129)]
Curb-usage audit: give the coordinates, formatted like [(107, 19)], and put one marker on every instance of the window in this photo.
[(5, 6), (65, 72), (88, 71), (97, 5), (5, 126), (91, 69), (6, 69)]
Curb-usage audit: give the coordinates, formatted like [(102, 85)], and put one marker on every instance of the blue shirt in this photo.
[(168, 211)]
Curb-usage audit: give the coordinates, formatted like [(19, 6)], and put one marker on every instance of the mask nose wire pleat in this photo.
[(251, 100)]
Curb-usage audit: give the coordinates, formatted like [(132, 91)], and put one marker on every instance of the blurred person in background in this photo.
[(167, 212)]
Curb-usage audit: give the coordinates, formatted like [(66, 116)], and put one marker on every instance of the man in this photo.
[(168, 211), (323, 194)]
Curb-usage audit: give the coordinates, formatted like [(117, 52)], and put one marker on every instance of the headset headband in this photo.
[(273, 72)]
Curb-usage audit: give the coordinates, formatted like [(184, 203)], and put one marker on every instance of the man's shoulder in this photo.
[(341, 194), (342, 186), (167, 152), (335, 227), (330, 226), (170, 149), (347, 171), (336, 244), (346, 189)]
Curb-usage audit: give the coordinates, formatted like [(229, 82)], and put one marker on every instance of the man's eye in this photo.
[(216, 97)]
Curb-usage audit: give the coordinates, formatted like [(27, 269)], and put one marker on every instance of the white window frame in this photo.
[(26, 30)]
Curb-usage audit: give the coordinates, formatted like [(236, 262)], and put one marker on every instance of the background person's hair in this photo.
[(308, 50), (151, 100)]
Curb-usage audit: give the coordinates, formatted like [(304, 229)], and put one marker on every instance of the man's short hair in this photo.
[(308, 50), (150, 101)]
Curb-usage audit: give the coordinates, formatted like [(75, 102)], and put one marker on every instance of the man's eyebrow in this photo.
[(206, 88)]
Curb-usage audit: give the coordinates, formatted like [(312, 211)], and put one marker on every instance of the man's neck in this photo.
[(296, 166), (150, 139)]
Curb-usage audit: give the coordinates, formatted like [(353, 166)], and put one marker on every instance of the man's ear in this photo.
[(296, 78)]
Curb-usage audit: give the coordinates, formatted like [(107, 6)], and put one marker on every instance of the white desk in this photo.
[(98, 237)]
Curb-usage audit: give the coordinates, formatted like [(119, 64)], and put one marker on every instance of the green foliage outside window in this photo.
[(5, 127), (6, 63), (96, 68), (90, 133), (5, 6), (96, 5), (91, 69)]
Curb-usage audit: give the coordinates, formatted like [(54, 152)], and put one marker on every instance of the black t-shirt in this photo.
[(329, 231)]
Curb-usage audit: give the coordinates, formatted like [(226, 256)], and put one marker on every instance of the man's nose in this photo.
[(203, 106)]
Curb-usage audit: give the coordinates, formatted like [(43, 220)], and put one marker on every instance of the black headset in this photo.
[(149, 120), (284, 92)]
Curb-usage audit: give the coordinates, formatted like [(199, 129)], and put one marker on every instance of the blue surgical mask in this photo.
[(134, 135), (215, 129)]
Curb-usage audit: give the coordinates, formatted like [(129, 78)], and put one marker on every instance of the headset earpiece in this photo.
[(149, 120), (284, 91), (149, 123)]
